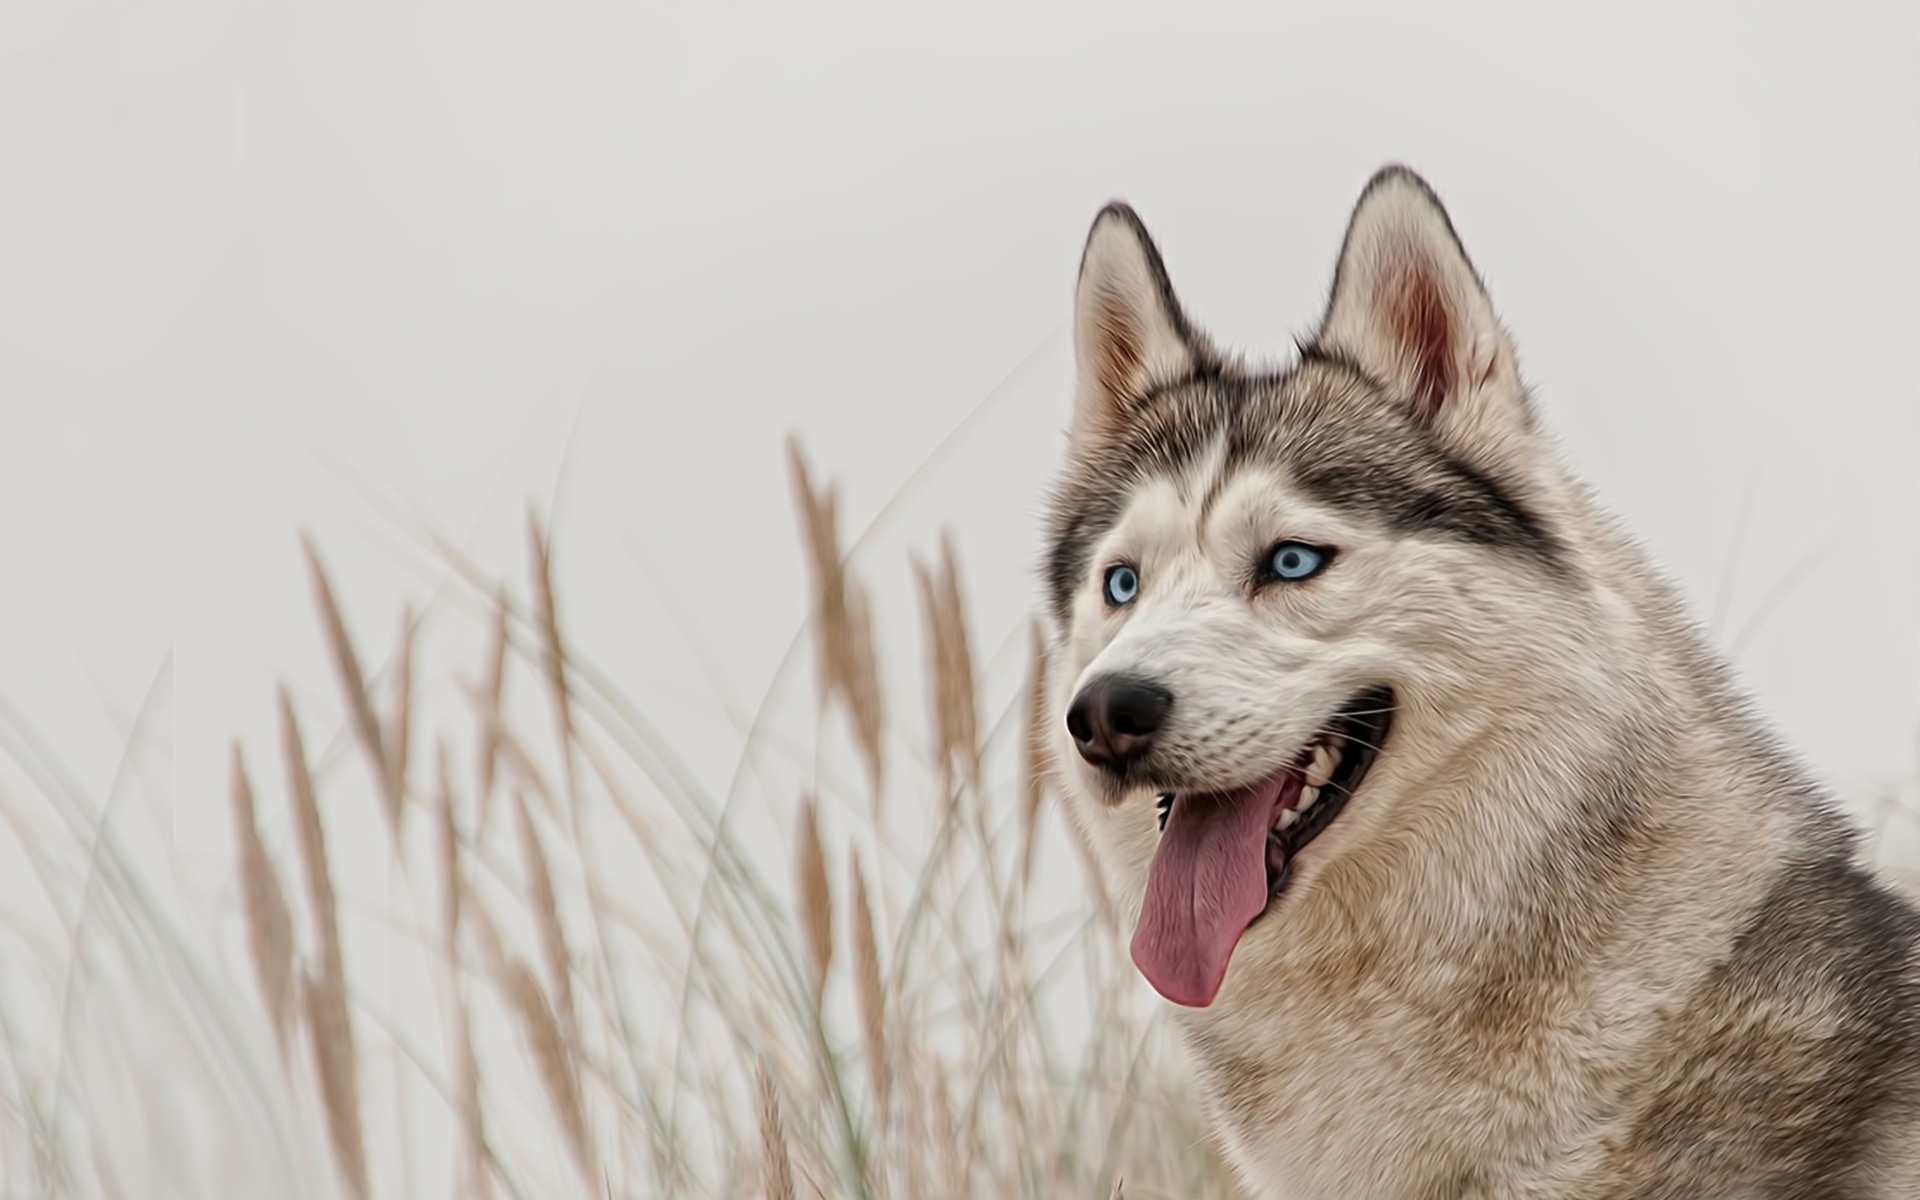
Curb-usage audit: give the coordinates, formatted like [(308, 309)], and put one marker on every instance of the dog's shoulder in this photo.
[(1796, 1063)]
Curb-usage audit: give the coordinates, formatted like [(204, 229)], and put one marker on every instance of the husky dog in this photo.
[(1469, 869)]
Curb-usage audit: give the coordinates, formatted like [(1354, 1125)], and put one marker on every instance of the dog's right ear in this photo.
[(1409, 309), (1128, 331)]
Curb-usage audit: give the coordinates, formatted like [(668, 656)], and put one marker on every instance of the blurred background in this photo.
[(389, 273)]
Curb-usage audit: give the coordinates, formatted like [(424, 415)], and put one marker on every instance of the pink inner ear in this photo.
[(1418, 314), (1120, 352)]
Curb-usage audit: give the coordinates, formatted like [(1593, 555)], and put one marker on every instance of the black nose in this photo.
[(1114, 718)]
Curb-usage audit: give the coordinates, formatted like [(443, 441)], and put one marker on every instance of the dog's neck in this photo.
[(1614, 870), (1585, 787)]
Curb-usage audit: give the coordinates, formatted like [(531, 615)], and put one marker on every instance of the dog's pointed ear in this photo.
[(1128, 331), (1409, 309)]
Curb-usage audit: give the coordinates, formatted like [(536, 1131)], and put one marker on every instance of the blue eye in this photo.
[(1296, 561), (1122, 585)]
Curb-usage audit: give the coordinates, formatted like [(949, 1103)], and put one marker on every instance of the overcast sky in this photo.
[(261, 263)]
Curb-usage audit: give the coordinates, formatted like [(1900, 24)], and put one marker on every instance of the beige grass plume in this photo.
[(353, 683), (818, 511), (466, 1082), (269, 923), (846, 665), (950, 666), (776, 1167), (554, 1064), (869, 988), (862, 685), (815, 893), (451, 885), (553, 655), (398, 738), (324, 996), (546, 913), (492, 695)]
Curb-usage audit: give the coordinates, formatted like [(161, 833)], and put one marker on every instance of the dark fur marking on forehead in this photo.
[(1440, 495), (1077, 525), (1341, 444), (1175, 423), (1329, 426)]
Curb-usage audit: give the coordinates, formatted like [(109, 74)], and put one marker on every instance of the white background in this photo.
[(248, 250), (262, 264)]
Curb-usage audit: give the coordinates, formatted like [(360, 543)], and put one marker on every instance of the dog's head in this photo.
[(1288, 602)]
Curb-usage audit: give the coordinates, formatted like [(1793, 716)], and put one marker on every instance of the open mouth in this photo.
[(1225, 857)]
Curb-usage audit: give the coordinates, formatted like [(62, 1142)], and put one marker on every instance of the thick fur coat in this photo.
[(1583, 929)]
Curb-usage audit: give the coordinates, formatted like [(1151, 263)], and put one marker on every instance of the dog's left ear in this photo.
[(1409, 309)]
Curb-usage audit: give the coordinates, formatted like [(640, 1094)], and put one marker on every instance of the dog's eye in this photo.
[(1122, 585), (1293, 562)]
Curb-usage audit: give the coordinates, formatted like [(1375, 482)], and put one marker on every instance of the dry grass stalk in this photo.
[(325, 998), (910, 1087), (553, 658), (864, 703), (475, 919), (958, 682), (1096, 878), (522, 766), (967, 1097), (473, 1129), (932, 617), (451, 885), (546, 913), (311, 835), (325, 1002), (776, 1167), (269, 923), (870, 992), (946, 1135), (399, 732), (816, 894), (818, 517), (1035, 762), (846, 664), (353, 682), (492, 694), (1015, 996), (473, 1140), (950, 667), (554, 1064)]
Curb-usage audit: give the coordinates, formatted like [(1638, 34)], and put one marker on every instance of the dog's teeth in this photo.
[(1309, 796), (1287, 817), (1320, 768)]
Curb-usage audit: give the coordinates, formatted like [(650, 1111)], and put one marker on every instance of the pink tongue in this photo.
[(1207, 884)]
